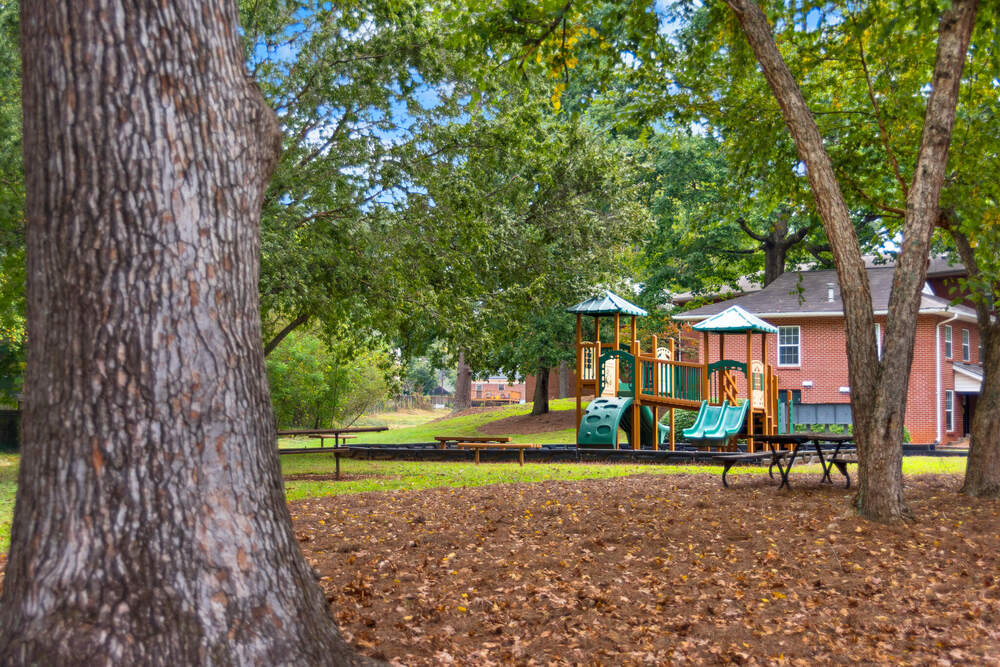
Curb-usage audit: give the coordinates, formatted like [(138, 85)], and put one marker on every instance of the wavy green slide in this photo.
[(717, 422), (604, 416)]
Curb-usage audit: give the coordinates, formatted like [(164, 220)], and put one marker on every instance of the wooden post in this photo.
[(723, 373), (579, 370), (597, 355), (673, 427), (705, 394), (749, 379), (669, 377), (636, 384), (656, 369)]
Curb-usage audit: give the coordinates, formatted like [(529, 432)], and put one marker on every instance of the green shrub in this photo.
[(318, 385)]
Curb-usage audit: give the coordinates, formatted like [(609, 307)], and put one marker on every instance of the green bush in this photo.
[(318, 385)]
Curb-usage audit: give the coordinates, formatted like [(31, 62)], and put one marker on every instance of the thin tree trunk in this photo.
[(982, 471), (463, 384), (540, 401), (564, 381), (151, 524), (878, 390)]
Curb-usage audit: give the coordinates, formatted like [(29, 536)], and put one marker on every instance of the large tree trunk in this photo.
[(878, 390), (151, 524), (540, 401), (982, 472), (463, 384)]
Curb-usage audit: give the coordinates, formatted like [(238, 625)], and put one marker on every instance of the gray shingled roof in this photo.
[(808, 293), (609, 304), (970, 369)]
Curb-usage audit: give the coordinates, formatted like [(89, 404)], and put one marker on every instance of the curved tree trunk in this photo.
[(540, 401), (151, 524)]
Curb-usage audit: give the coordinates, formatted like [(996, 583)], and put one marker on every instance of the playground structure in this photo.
[(631, 386)]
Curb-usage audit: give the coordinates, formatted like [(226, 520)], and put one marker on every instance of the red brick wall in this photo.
[(823, 361), (529, 385)]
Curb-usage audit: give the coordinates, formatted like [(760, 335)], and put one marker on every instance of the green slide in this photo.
[(717, 422), (604, 416)]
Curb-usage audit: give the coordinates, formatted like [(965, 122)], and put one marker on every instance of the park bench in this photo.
[(445, 439), (842, 460), (520, 446), (729, 460)]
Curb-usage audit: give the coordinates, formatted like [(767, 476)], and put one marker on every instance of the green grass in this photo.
[(8, 490), (401, 419), (464, 425), (409, 475), (403, 475)]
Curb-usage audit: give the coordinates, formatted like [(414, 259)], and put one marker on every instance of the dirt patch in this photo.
[(658, 569), (550, 421), (327, 477)]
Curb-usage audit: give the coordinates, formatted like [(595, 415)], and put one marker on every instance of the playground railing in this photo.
[(588, 362), (676, 381)]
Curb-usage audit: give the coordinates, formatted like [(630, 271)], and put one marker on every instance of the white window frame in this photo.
[(947, 341), (949, 410), (878, 339), (798, 346), (966, 346)]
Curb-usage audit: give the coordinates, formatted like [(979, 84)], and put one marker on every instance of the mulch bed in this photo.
[(550, 421), (658, 569)]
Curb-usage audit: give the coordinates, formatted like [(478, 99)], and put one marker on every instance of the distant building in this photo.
[(496, 390), (810, 354)]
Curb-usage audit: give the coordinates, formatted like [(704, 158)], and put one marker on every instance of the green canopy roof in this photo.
[(735, 320), (609, 304)]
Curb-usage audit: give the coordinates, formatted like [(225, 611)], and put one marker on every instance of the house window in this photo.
[(965, 344), (949, 410), (878, 339), (788, 346), (947, 341), (500, 387)]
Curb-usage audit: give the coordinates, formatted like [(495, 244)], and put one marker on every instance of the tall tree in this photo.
[(150, 524), (878, 387)]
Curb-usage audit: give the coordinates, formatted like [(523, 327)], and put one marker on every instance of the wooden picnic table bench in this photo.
[(521, 446), (445, 439), (338, 434), (829, 447)]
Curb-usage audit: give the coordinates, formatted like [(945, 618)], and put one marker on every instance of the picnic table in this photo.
[(445, 439), (478, 446), (338, 434), (833, 450)]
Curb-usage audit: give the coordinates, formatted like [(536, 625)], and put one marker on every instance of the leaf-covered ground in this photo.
[(658, 569)]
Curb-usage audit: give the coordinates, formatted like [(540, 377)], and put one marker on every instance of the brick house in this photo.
[(496, 390), (810, 357)]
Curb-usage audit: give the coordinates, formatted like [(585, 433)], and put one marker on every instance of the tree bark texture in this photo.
[(878, 390), (540, 401), (151, 524), (982, 472), (463, 384)]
